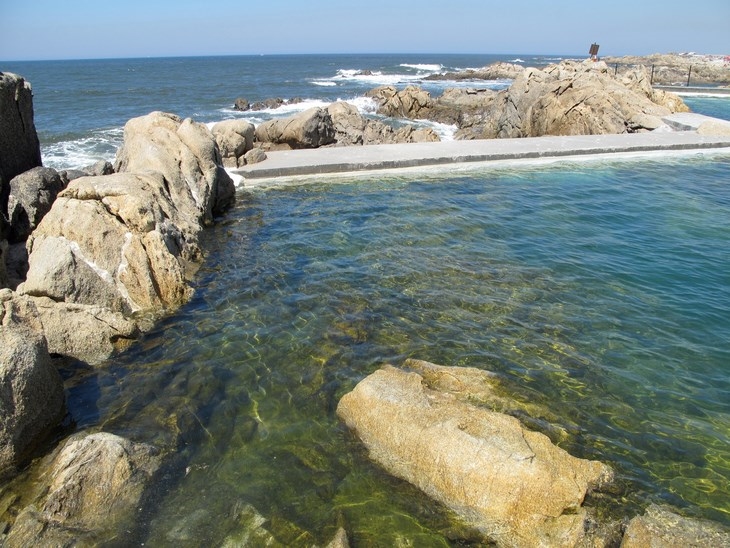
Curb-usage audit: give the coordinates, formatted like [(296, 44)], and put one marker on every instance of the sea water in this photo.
[(600, 290)]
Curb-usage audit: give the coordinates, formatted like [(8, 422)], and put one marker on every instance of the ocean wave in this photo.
[(423, 67), (366, 77), (82, 152)]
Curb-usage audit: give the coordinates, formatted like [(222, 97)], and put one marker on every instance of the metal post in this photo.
[(651, 80), (689, 75), (615, 69)]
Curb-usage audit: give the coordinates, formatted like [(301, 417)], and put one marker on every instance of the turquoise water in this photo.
[(601, 290)]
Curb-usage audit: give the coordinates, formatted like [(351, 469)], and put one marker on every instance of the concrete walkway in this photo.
[(292, 163)]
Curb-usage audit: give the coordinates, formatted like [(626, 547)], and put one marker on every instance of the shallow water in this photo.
[(599, 290)]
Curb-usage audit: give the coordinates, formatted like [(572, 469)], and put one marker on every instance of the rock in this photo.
[(674, 68), (19, 146), (715, 128), (186, 154), (512, 484), (93, 488), (570, 98), (32, 194), (312, 128), (113, 241), (241, 104), (495, 71), (234, 139), (452, 107), (339, 540), (660, 527), (351, 128), (411, 102), (101, 167), (254, 156), (31, 390)]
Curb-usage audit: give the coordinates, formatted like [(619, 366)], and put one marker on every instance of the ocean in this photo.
[(599, 289)]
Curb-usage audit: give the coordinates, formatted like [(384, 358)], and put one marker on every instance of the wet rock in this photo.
[(235, 139), (93, 487), (241, 104), (31, 390), (660, 527), (339, 540), (512, 484), (32, 194)]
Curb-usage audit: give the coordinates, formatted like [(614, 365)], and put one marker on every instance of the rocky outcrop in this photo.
[(93, 487), (660, 527), (495, 71), (115, 245), (310, 129), (19, 146), (571, 99), (513, 484), (184, 152), (31, 390), (235, 138), (352, 128), (32, 194)]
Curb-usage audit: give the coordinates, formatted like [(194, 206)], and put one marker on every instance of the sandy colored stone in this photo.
[(511, 483)]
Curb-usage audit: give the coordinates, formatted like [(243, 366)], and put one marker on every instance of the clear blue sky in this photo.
[(80, 29)]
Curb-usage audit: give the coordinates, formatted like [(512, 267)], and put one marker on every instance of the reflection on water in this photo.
[(602, 292)]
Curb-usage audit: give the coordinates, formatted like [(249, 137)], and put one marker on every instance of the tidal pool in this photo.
[(599, 290)]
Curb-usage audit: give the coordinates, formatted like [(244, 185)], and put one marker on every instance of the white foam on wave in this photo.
[(366, 77), (517, 60), (83, 152), (423, 67)]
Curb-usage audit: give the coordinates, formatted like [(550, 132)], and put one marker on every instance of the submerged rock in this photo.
[(512, 484), (660, 527), (93, 487)]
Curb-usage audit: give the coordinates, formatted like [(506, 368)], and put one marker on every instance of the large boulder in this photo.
[(513, 484), (660, 527), (32, 194), (93, 487), (31, 390), (19, 146), (187, 156), (235, 139), (312, 128), (572, 98), (113, 241)]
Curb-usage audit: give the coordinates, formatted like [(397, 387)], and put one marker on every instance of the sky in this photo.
[(86, 29)]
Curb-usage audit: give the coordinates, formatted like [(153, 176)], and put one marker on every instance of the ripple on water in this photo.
[(601, 292)]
